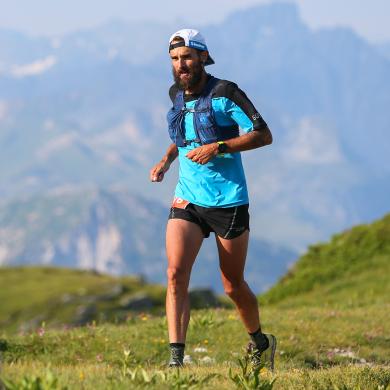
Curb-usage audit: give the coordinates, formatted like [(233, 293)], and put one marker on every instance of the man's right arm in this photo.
[(157, 172)]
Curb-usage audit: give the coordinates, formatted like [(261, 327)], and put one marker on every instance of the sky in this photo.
[(369, 18)]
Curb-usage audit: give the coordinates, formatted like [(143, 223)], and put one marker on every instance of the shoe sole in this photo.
[(273, 349)]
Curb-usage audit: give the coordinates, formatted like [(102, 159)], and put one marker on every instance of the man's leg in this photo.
[(232, 256), (183, 241)]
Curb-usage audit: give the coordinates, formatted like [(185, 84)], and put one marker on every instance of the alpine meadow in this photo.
[(82, 227), (330, 313)]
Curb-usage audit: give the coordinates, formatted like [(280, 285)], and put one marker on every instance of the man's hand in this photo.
[(157, 172), (203, 154)]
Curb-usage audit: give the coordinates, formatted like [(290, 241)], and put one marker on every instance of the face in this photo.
[(187, 66)]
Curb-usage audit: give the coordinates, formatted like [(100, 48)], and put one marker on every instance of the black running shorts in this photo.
[(226, 222)]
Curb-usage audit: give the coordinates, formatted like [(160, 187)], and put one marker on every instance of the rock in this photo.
[(139, 301), (66, 298), (85, 314), (32, 324), (202, 298), (116, 291)]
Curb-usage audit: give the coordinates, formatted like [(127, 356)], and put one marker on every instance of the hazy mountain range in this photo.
[(87, 110), (113, 232)]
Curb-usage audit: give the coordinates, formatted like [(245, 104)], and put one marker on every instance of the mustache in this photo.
[(183, 70)]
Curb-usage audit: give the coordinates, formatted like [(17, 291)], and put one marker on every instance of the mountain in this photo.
[(352, 268), (87, 110), (384, 49), (113, 232)]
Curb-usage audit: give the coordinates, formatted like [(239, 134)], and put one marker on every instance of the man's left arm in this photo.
[(252, 140), (241, 110)]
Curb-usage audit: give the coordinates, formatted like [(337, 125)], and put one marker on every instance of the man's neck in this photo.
[(198, 88)]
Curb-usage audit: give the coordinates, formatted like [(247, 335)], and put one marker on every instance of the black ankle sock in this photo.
[(260, 340)]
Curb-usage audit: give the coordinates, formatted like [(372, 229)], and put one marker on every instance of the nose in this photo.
[(181, 62)]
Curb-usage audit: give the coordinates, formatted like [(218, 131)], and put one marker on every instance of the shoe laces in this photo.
[(177, 355)]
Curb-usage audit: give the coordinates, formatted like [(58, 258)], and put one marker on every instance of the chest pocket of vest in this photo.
[(175, 119), (204, 122)]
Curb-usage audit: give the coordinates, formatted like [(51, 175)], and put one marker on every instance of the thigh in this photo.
[(183, 241), (232, 256), (226, 222)]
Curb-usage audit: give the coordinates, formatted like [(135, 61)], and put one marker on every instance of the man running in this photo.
[(211, 195)]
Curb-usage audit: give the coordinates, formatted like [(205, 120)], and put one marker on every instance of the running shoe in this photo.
[(177, 357), (264, 359)]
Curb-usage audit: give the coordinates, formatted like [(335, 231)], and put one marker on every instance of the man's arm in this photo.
[(157, 172), (240, 110), (252, 140)]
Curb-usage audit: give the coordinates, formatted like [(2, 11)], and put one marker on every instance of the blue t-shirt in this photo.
[(221, 181)]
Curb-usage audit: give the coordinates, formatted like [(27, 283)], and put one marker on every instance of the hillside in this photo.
[(330, 316), (352, 268), (59, 297)]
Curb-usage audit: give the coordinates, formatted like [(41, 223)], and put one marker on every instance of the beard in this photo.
[(195, 76)]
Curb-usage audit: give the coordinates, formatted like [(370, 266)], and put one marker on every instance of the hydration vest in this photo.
[(206, 129)]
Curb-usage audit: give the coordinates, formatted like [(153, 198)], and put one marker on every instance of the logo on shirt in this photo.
[(255, 116)]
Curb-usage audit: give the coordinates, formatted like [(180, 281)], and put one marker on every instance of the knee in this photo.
[(177, 278), (233, 289)]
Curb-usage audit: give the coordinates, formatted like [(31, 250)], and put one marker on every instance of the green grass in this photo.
[(31, 295), (317, 348), (330, 315), (341, 265)]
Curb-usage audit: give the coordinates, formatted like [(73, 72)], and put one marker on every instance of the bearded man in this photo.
[(211, 194)]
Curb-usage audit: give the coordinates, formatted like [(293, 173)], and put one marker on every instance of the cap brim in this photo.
[(209, 61)]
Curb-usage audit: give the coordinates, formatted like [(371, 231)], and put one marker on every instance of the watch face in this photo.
[(222, 148)]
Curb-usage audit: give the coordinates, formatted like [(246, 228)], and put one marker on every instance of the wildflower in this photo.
[(264, 371), (99, 357), (41, 331), (187, 359), (200, 349), (206, 341), (207, 360), (81, 376)]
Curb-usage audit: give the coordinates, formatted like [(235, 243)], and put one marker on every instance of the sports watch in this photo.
[(222, 147)]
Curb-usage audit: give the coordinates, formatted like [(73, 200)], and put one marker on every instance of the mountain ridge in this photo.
[(114, 232), (95, 118)]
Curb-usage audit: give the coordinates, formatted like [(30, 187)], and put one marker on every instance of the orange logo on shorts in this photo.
[(180, 203)]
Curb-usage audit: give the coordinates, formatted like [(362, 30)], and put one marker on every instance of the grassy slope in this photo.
[(38, 292), (318, 348), (352, 268), (330, 314)]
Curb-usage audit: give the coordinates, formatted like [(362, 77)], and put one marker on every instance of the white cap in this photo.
[(192, 38)]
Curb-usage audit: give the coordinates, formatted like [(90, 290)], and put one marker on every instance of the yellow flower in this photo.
[(82, 376), (206, 341), (264, 371)]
